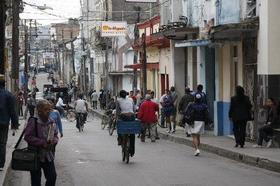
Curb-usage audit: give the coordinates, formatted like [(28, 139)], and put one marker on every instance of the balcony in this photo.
[(154, 40)]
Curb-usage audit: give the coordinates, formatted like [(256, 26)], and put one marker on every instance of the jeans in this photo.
[(94, 104), (49, 172), (162, 118), (264, 132), (151, 127), (3, 142), (239, 130)]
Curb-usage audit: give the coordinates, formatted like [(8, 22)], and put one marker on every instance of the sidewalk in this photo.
[(267, 158), (9, 149)]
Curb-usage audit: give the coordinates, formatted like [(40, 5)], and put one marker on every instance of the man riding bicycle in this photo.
[(81, 107), (125, 111)]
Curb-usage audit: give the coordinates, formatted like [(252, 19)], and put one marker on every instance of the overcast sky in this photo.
[(63, 8)]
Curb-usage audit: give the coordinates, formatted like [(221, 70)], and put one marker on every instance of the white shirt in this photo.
[(94, 96), (126, 105), (60, 103), (80, 106)]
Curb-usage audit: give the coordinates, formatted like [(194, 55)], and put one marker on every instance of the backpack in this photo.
[(189, 115)]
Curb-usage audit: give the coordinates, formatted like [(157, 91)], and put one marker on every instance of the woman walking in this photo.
[(197, 114), (41, 134), (239, 114)]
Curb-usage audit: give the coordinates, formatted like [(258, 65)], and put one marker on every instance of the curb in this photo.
[(240, 157), (243, 158)]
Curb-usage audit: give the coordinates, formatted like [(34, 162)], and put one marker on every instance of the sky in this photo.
[(64, 9)]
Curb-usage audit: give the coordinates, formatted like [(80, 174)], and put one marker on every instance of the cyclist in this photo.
[(81, 107), (125, 111)]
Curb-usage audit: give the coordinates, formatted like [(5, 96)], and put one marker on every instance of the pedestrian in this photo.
[(60, 105), (55, 116), (198, 115), (20, 102), (31, 104), (272, 122), (199, 90), (168, 109), (147, 115), (174, 97), (41, 133), (7, 113), (183, 104), (94, 98), (239, 114)]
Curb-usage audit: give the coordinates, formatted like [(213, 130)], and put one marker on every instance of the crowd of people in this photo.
[(45, 118)]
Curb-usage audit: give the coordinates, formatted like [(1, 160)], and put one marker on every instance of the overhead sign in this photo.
[(48, 55), (113, 28), (142, 1)]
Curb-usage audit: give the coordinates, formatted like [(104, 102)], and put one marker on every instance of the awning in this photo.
[(140, 66), (235, 31), (193, 43), (119, 73), (180, 33)]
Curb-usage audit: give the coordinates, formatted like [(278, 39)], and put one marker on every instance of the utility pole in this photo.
[(136, 37), (73, 54), (26, 52), (83, 61), (106, 59), (63, 48), (144, 62), (2, 35), (15, 47)]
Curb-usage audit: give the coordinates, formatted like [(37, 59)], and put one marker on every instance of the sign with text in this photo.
[(142, 1), (113, 28)]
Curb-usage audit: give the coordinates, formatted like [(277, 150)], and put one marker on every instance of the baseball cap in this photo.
[(198, 96)]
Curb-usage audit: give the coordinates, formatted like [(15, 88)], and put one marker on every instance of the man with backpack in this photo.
[(168, 109)]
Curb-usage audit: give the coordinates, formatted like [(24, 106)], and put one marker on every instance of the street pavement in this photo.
[(93, 158)]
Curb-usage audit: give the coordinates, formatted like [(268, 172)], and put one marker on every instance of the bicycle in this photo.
[(105, 119), (125, 128), (112, 124), (80, 121), (70, 114)]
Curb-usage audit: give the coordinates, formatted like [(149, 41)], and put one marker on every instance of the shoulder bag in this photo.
[(26, 159)]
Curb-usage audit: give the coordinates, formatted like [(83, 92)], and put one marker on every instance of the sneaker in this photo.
[(269, 143), (197, 152), (257, 146)]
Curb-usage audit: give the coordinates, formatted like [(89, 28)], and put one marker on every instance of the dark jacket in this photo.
[(8, 109), (198, 112), (186, 99), (240, 108)]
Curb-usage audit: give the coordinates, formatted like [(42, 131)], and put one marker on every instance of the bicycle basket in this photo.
[(128, 127)]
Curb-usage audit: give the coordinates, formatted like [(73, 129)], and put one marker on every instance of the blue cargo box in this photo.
[(129, 127)]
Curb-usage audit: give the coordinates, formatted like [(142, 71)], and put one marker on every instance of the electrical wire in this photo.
[(135, 13)]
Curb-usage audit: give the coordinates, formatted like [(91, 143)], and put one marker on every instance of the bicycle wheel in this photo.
[(123, 149), (103, 122), (127, 149), (71, 116), (112, 127), (79, 122)]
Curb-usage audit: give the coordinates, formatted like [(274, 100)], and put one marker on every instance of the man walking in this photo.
[(94, 98), (174, 97), (183, 104), (7, 112), (148, 117)]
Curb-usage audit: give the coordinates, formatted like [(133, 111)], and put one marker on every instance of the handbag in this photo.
[(26, 159)]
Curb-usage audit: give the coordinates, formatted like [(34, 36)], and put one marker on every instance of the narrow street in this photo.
[(93, 158)]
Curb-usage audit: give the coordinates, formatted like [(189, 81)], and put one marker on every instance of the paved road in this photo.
[(93, 158)]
